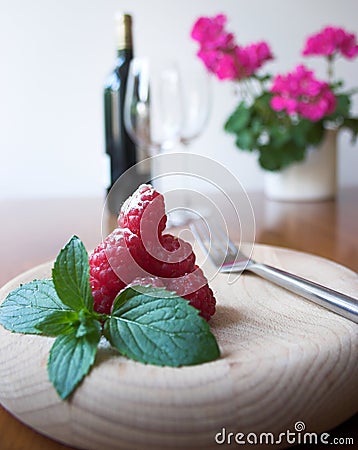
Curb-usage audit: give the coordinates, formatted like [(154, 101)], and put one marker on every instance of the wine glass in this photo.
[(166, 105), (196, 100), (152, 108)]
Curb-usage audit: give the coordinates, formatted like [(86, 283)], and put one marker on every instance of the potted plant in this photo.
[(290, 120)]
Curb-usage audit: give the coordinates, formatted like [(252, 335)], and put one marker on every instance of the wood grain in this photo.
[(283, 360)]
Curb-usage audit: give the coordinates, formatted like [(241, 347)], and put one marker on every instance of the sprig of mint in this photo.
[(147, 324)]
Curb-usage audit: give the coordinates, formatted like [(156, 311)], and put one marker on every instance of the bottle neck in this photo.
[(123, 55), (124, 51), (124, 36)]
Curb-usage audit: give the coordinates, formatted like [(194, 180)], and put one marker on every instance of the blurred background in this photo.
[(56, 56)]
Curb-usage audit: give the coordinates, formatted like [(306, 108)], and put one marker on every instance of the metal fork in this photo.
[(230, 260)]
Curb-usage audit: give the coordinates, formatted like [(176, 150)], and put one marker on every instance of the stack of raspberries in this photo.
[(138, 252)]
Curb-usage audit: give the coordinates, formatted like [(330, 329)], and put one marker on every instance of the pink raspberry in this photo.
[(145, 208)]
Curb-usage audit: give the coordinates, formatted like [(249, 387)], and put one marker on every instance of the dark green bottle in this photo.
[(119, 146)]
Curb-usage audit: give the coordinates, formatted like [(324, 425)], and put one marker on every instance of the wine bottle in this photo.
[(119, 146)]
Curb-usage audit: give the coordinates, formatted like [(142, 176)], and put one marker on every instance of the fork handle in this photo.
[(341, 304)]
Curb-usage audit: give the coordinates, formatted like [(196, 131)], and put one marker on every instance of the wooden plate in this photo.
[(283, 360)]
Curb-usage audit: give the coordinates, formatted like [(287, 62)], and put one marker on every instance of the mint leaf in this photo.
[(70, 359), (26, 306), (59, 322), (88, 324), (153, 326), (71, 276)]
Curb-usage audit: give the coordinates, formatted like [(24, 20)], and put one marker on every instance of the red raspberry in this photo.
[(104, 282), (137, 252), (145, 208), (168, 257), (112, 267), (121, 260), (147, 281), (203, 300), (194, 287)]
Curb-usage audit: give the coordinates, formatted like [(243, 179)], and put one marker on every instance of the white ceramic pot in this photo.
[(313, 179)]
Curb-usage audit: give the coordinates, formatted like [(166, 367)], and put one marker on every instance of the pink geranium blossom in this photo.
[(331, 41), (252, 57), (299, 92), (210, 32), (221, 55)]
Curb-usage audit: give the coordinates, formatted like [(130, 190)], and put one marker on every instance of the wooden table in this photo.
[(33, 231)]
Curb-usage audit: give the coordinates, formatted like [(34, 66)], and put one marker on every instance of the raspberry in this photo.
[(169, 258), (145, 208), (122, 257), (112, 267), (104, 282), (147, 281), (138, 253), (194, 287), (203, 300)]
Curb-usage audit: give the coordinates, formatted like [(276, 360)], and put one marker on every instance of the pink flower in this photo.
[(252, 57), (210, 32), (299, 92), (221, 55), (331, 41), (227, 67)]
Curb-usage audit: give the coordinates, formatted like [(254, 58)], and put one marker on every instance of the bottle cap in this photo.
[(123, 31)]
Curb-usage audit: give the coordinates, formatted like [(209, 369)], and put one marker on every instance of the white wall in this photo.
[(55, 56)]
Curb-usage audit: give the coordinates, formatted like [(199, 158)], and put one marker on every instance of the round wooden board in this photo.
[(283, 360)]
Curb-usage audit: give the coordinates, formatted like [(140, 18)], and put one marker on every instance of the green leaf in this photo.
[(156, 327), (263, 109), (70, 359), (238, 119), (26, 306), (315, 133), (59, 322), (244, 140), (277, 158), (342, 108), (71, 276), (257, 126), (352, 124), (279, 136), (88, 324)]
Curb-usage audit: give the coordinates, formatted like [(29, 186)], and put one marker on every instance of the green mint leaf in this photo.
[(71, 276), (87, 325), (59, 322), (70, 359), (153, 326), (26, 306)]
